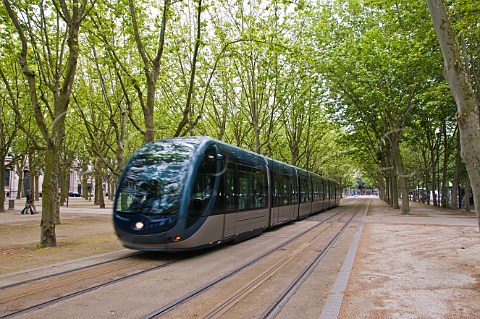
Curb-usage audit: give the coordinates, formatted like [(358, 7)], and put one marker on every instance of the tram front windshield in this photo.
[(153, 180)]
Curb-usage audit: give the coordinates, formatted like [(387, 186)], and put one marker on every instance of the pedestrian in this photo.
[(28, 204)]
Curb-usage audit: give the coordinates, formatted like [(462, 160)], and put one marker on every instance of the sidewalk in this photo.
[(422, 265), (74, 205), (84, 230)]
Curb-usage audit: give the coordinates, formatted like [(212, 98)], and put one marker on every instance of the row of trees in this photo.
[(385, 73), (330, 87)]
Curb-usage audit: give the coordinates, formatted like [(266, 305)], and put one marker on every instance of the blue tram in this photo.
[(190, 193)]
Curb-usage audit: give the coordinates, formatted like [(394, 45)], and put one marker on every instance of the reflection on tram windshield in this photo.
[(153, 180)]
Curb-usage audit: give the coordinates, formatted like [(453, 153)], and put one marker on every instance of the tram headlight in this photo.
[(173, 239), (139, 225)]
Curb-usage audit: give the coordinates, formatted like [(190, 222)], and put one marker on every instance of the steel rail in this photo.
[(64, 272), (170, 306), (275, 309)]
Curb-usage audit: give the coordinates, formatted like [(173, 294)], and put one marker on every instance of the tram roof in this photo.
[(196, 144)]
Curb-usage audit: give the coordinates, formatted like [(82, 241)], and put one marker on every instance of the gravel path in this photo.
[(424, 265)]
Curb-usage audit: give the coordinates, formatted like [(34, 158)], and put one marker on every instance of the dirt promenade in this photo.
[(84, 231), (424, 265)]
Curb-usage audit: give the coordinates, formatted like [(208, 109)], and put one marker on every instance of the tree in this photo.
[(468, 104), (151, 64), (187, 111), (52, 31), (8, 129), (378, 62)]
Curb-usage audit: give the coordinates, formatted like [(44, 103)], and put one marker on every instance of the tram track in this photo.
[(239, 295), (36, 293), (40, 289), (231, 300), (275, 308), (29, 296), (64, 272)]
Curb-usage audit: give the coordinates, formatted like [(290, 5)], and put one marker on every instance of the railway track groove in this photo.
[(43, 304), (130, 270), (221, 308)]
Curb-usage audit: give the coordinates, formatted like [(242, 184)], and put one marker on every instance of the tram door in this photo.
[(284, 199), (229, 189)]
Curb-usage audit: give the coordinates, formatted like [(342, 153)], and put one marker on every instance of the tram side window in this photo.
[(314, 186), (316, 194), (305, 190), (322, 190), (319, 190), (203, 187), (245, 188), (245, 182), (260, 189), (294, 190), (282, 189), (277, 190), (230, 188), (219, 206)]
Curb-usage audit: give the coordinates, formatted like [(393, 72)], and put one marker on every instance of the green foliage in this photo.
[(320, 85)]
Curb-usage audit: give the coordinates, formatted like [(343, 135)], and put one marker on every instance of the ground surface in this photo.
[(424, 265), (84, 231)]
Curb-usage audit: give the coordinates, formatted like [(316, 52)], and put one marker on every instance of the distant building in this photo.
[(12, 179)]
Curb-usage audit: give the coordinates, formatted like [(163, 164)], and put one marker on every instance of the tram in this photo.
[(192, 193)]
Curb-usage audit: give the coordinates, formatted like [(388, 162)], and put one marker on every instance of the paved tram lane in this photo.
[(424, 265)]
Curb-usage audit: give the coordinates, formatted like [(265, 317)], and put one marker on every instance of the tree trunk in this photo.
[(84, 183), (61, 76), (19, 167), (388, 192), (32, 166), (49, 189), (402, 179), (468, 195), (64, 183), (99, 198), (119, 152), (381, 185), (456, 175), (434, 175), (187, 111), (446, 156), (148, 111), (2, 185), (394, 195), (37, 187), (467, 102)]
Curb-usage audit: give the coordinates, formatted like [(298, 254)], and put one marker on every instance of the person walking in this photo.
[(28, 204)]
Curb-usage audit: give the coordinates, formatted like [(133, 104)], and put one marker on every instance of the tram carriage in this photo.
[(191, 193)]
